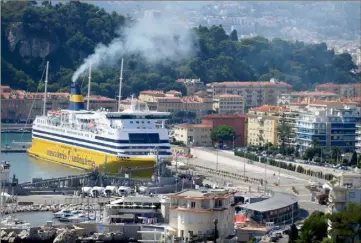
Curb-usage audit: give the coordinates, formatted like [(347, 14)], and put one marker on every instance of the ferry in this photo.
[(104, 140)]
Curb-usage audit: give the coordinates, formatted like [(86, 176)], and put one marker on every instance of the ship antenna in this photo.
[(89, 84), (46, 87), (120, 84)]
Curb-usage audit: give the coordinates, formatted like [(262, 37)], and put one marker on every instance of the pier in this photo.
[(14, 150)]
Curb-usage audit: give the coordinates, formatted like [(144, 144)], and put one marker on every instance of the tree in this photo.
[(293, 234), (314, 228), (223, 133), (284, 131), (347, 223), (234, 36)]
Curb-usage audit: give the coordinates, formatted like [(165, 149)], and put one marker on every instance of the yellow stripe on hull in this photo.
[(88, 159), (76, 98)]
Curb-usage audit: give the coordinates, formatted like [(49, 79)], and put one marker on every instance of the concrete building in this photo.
[(358, 138), (255, 93), (279, 209), (331, 123), (193, 134), (192, 85), (193, 213), (19, 105), (126, 104), (307, 96), (263, 124), (346, 190), (238, 122), (228, 104), (343, 90)]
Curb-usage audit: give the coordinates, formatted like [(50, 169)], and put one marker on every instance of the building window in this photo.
[(351, 194), (193, 204)]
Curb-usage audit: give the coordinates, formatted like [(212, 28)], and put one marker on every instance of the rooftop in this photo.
[(249, 84), (152, 92), (224, 116), (313, 93), (192, 126), (269, 108), (206, 194), (277, 201)]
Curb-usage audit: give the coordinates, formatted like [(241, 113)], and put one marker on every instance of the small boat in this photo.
[(61, 213), (81, 218), (14, 223), (66, 216)]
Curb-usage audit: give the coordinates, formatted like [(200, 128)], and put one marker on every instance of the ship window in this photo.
[(131, 122), (137, 122), (143, 138)]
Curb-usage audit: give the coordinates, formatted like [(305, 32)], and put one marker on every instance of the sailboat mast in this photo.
[(89, 83), (46, 87), (120, 85)]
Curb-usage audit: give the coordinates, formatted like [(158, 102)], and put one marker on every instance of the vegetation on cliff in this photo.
[(67, 33)]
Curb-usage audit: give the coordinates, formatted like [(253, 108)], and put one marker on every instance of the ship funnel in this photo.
[(76, 101)]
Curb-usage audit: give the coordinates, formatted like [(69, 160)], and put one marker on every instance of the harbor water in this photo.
[(25, 168)]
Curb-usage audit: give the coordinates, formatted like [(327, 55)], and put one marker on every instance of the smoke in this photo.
[(154, 38)]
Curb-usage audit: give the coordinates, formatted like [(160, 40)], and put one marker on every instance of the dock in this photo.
[(14, 150)]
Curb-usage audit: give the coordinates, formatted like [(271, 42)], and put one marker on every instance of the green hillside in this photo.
[(65, 34)]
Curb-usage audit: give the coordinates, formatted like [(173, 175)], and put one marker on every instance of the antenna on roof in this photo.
[(89, 83), (46, 87), (120, 84)]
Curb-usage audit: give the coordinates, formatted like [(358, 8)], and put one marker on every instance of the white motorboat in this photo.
[(14, 223), (61, 213)]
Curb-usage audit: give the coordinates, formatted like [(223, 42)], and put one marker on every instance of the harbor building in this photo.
[(256, 93), (280, 208), (331, 123), (263, 124), (228, 104), (193, 213), (193, 134)]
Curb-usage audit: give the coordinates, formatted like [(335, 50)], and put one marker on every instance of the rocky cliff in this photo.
[(29, 46)]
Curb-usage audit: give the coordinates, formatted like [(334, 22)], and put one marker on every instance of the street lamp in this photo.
[(215, 222)]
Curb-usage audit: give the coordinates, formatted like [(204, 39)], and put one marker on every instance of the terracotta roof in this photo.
[(173, 92), (269, 108), (224, 116), (193, 125), (249, 84), (169, 98), (152, 92), (331, 102), (99, 98), (313, 93), (228, 96)]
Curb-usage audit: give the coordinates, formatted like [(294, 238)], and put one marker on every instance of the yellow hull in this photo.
[(88, 159)]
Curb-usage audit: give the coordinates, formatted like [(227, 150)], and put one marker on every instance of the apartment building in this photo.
[(19, 105), (343, 90), (263, 124), (304, 96), (255, 93), (193, 213), (126, 104), (191, 85), (331, 123), (193, 134), (358, 138), (346, 190), (228, 104), (200, 106), (237, 121)]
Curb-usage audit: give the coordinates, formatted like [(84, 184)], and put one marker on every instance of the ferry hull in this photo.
[(88, 159)]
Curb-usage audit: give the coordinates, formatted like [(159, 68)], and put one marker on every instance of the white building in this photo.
[(332, 124), (193, 213)]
